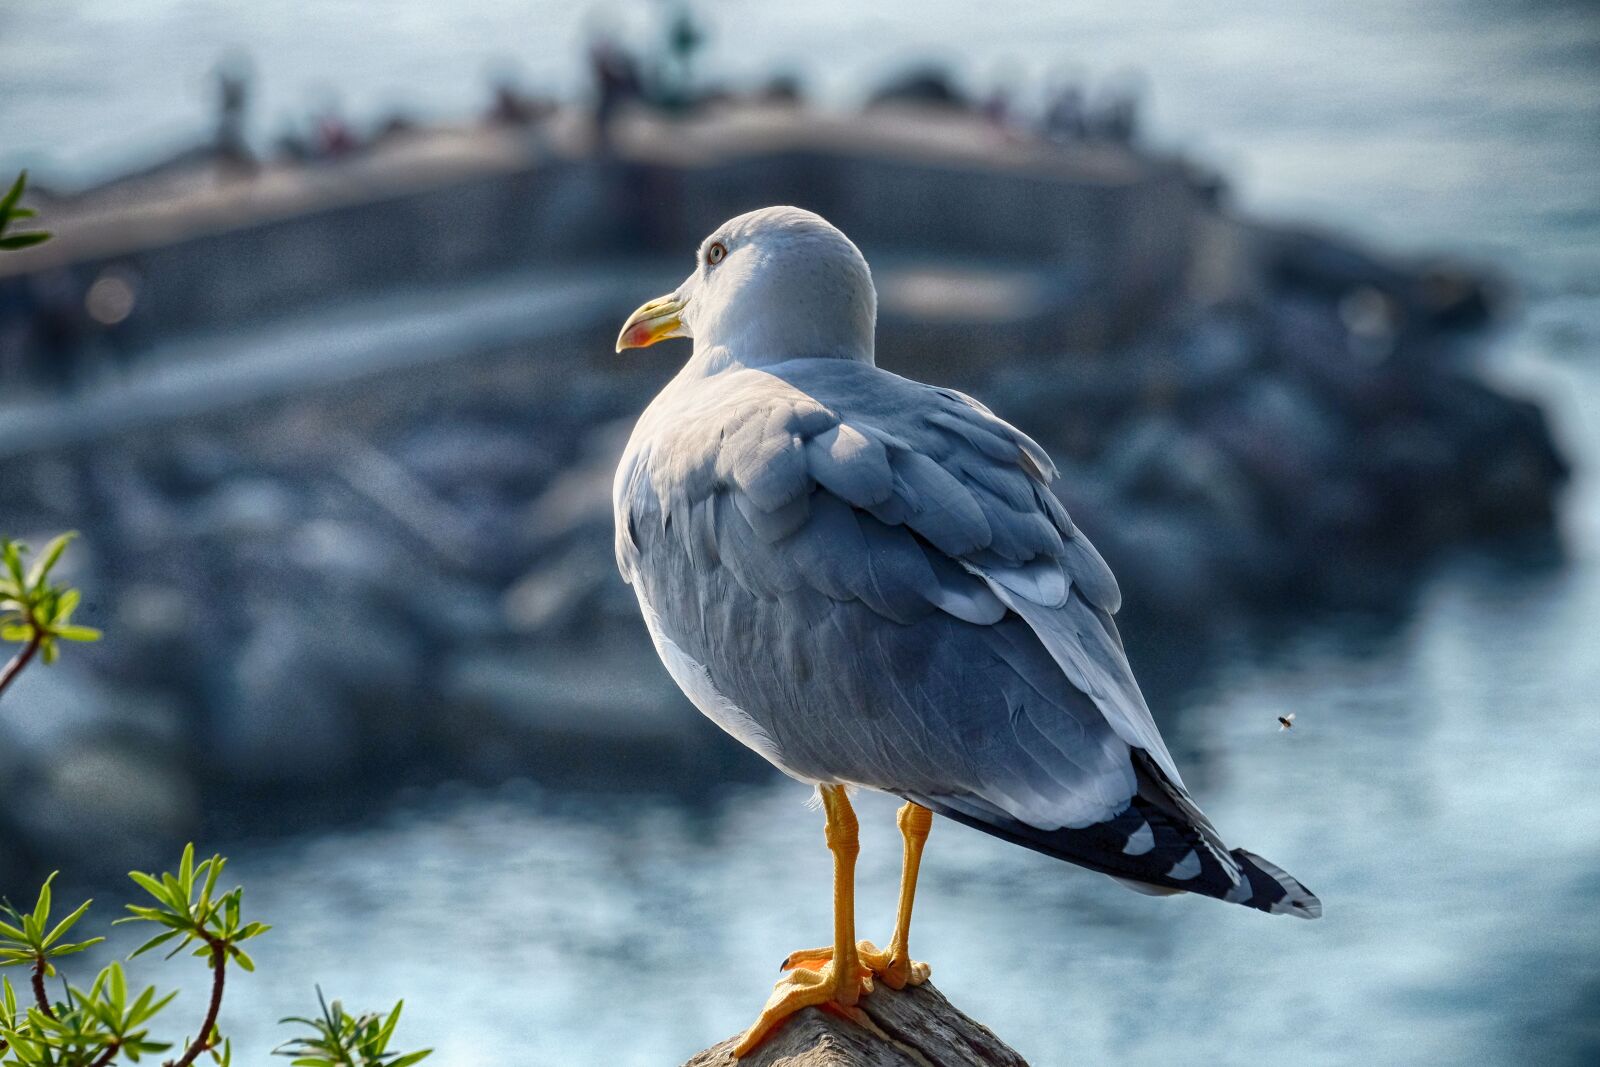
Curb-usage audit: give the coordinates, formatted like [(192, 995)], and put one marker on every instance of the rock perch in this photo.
[(920, 1028)]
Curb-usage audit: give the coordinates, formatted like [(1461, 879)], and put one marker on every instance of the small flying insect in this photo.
[(1285, 722)]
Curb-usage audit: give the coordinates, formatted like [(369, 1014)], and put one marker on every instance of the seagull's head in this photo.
[(772, 285)]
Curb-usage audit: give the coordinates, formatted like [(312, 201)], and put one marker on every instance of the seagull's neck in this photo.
[(757, 352)]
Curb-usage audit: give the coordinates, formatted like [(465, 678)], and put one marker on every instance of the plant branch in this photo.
[(22, 658), (107, 1056), (38, 988), (219, 973)]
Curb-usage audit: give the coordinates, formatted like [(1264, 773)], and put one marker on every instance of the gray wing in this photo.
[(876, 572)]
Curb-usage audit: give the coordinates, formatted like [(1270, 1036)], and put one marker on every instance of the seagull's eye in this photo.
[(716, 253)]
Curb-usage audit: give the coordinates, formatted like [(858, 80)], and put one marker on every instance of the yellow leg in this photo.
[(840, 981), (894, 966)]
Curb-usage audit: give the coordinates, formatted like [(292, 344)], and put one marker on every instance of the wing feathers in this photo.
[(822, 482)]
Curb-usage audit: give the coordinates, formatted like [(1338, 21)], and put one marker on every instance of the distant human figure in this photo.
[(1117, 118), (997, 106), (397, 124), (684, 39), (926, 85), (334, 137), (293, 146), (1064, 118), (617, 81), (16, 330), (233, 101), (59, 325), (784, 88), (110, 303), (510, 107), (1120, 120)]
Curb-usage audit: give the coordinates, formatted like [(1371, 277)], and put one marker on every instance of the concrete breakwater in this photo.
[(371, 541)]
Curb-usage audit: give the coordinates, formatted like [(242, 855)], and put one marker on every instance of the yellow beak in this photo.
[(656, 321)]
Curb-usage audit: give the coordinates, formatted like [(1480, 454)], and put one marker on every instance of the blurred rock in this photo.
[(108, 805), (247, 508), (282, 717)]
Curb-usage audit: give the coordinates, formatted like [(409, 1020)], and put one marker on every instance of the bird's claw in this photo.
[(808, 986), (895, 971)]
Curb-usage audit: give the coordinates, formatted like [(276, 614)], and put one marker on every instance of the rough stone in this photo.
[(917, 1027)]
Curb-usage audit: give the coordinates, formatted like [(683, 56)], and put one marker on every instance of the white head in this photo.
[(776, 284)]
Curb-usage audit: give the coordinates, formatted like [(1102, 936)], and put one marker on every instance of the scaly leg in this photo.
[(894, 966), (839, 982)]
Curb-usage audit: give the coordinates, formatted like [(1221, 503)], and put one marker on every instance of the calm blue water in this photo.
[(1439, 790)]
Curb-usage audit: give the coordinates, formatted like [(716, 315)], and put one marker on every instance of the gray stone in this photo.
[(915, 1027), (281, 720), (247, 508), (110, 804)]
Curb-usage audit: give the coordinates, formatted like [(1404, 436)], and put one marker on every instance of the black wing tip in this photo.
[(1274, 890)]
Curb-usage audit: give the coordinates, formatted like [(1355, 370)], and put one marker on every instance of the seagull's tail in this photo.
[(1264, 886), (1272, 889), (1150, 850)]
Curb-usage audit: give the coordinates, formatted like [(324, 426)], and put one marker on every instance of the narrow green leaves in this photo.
[(35, 612), (27, 938), (10, 212), (109, 1023), (339, 1039), (187, 904)]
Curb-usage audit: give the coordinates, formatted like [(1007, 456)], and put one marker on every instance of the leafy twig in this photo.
[(188, 906), (340, 1039), (34, 611), (27, 939), (25, 656)]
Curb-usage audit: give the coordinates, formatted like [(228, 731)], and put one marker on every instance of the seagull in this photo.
[(868, 581)]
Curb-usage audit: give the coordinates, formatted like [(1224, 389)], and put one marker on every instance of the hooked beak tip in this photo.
[(655, 321)]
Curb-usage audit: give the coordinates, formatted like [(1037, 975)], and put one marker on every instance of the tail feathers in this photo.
[(1148, 850), (1268, 887), (1265, 887)]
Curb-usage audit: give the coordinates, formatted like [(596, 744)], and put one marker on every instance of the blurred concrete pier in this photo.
[(1099, 226)]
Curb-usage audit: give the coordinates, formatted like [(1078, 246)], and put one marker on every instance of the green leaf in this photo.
[(16, 241), (49, 556), (156, 889), (76, 633), (155, 915), (213, 869), (69, 950), (41, 910), (381, 1042), (14, 194), (154, 942), (186, 871), (66, 605), (66, 924)]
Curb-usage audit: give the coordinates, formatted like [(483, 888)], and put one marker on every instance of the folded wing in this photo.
[(876, 572)]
